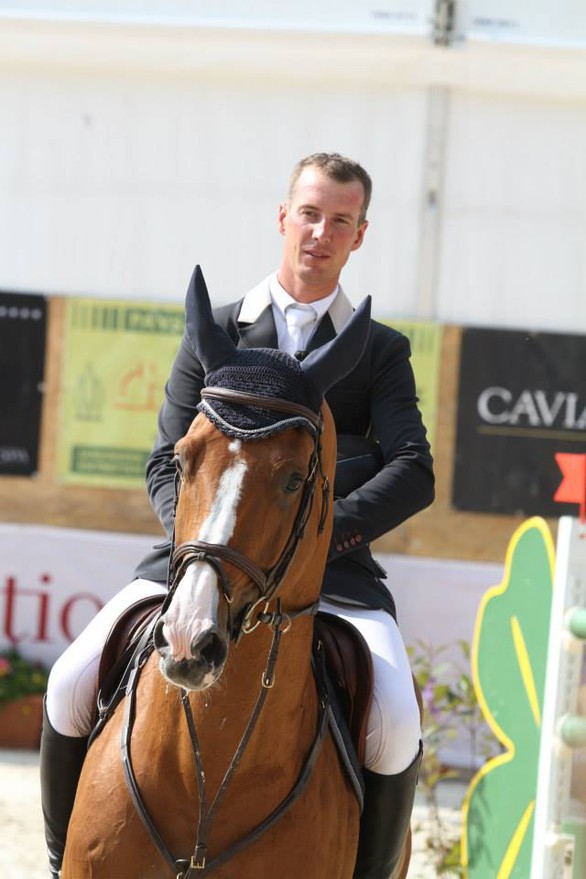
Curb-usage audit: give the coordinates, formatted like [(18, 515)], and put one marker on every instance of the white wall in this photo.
[(514, 215), (129, 151), (117, 185)]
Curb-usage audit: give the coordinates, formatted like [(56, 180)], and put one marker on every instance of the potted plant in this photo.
[(22, 685)]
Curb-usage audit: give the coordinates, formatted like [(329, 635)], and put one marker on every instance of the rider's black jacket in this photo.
[(384, 479)]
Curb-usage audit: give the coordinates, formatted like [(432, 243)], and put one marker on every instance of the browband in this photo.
[(278, 405)]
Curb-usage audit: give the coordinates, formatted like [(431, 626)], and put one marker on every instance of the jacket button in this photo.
[(358, 538), (346, 544), (339, 547)]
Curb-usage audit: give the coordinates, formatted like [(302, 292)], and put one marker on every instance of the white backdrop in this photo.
[(331, 15)]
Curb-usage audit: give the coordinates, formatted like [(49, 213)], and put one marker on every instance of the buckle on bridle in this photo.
[(247, 626)]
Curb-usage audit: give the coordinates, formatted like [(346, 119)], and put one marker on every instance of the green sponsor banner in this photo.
[(116, 359), (425, 338)]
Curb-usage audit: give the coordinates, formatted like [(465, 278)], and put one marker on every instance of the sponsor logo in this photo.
[(553, 411)]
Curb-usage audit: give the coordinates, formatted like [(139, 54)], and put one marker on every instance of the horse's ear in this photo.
[(327, 365), (209, 340)]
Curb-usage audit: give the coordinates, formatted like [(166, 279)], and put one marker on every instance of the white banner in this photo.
[(54, 580)]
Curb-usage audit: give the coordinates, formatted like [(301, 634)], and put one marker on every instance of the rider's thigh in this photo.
[(73, 681), (393, 727)]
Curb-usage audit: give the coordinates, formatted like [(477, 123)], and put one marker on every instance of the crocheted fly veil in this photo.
[(265, 372)]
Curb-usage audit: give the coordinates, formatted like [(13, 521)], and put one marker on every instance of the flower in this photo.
[(20, 676)]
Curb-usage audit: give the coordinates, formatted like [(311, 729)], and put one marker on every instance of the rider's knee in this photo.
[(68, 709), (393, 735)]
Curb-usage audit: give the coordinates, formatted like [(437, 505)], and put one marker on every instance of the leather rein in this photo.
[(267, 583)]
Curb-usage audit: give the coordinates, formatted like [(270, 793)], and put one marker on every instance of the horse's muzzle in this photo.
[(202, 669)]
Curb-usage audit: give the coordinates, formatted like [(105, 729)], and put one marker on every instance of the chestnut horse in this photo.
[(220, 762)]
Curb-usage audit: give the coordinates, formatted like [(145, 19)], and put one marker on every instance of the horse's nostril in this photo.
[(159, 639), (209, 649)]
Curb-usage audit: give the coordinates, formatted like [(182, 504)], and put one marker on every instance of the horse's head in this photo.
[(255, 469)]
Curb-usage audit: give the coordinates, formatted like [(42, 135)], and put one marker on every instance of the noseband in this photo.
[(266, 581)]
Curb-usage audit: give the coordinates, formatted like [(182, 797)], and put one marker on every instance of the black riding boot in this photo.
[(388, 803), (61, 761)]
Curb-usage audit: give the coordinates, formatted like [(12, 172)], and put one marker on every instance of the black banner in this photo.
[(23, 321), (522, 398)]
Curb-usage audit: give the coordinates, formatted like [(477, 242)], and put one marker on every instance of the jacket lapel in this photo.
[(323, 332), (255, 324), (260, 334), (332, 322)]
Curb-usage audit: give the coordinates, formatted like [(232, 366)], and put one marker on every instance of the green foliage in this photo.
[(20, 677), (450, 709)]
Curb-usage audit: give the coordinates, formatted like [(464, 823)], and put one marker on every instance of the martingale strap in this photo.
[(198, 864)]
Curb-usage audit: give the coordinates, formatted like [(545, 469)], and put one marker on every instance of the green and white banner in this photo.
[(426, 339), (116, 359)]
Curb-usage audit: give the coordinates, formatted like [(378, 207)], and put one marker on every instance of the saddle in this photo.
[(129, 636), (349, 676), (349, 682)]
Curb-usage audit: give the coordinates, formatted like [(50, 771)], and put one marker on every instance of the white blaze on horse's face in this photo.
[(194, 610)]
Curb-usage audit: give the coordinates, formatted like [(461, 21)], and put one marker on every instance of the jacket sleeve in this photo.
[(182, 394), (405, 483)]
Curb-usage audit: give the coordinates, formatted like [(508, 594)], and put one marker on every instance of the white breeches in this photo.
[(393, 730), (73, 682)]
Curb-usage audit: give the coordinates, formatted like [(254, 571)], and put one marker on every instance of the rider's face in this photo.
[(321, 225)]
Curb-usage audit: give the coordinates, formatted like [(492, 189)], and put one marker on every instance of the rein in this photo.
[(267, 583)]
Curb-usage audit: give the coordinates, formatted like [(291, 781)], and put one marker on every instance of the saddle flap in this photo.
[(123, 634), (349, 666)]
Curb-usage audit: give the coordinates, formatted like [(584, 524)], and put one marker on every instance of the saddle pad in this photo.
[(349, 666)]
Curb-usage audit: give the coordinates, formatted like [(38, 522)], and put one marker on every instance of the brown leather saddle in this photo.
[(349, 667), (119, 654)]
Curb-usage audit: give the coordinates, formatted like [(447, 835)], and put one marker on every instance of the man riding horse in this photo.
[(297, 309)]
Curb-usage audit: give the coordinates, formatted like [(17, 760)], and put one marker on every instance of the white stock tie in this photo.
[(300, 319)]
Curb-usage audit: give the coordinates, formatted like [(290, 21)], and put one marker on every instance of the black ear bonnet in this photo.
[(266, 372)]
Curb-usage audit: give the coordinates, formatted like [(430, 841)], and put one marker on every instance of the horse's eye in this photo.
[(295, 482)]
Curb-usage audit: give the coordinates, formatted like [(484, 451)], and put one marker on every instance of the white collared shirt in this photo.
[(281, 301)]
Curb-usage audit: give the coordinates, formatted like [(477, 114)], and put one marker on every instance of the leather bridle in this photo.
[(266, 581)]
